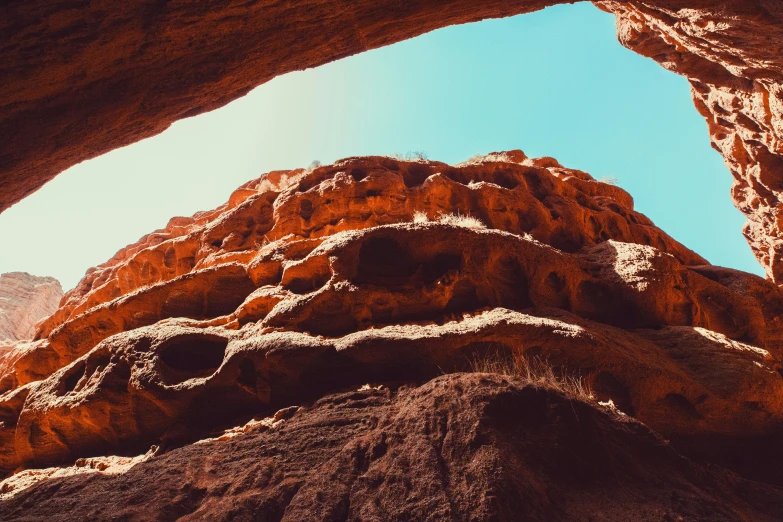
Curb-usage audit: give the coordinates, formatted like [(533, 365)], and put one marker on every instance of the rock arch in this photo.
[(80, 81)]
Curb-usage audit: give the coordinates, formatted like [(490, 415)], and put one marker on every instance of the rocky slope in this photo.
[(461, 447), (24, 301), (378, 270), (135, 68)]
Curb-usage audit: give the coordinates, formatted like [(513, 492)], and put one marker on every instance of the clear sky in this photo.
[(553, 83)]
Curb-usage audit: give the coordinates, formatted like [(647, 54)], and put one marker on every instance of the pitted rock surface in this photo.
[(382, 270)]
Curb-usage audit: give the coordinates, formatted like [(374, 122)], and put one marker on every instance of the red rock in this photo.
[(308, 281), (728, 51)]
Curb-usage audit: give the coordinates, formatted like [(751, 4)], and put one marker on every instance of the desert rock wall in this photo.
[(377, 268)]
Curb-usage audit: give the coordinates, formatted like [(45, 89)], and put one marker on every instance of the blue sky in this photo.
[(553, 83)]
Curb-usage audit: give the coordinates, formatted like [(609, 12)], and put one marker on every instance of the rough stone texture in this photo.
[(730, 51), (79, 80), (308, 281), (24, 301), (461, 447)]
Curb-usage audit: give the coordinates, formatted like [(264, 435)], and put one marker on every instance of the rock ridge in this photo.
[(384, 270)]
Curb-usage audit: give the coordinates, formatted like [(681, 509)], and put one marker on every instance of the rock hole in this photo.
[(597, 302), (227, 293), (72, 378), (564, 240), (463, 298), (192, 357), (306, 209), (217, 243), (538, 187), (247, 376), (512, 283), (607, 386), (170, 258), (415, 175), (382, 259), (681, 405), (505, 179), (306, 285), (358, 174), (442, 264), (556, 282)]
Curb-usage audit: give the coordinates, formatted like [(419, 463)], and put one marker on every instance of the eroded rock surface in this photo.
[(24, 301), (730, 51), (383, 270)]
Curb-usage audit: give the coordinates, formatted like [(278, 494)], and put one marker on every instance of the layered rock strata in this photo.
[(81, 81), (383, 270)]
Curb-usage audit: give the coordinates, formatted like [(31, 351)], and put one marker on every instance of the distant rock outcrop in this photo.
[(388, 271), (24, 301)]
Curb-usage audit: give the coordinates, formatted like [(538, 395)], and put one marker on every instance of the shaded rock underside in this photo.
[(78, 81)]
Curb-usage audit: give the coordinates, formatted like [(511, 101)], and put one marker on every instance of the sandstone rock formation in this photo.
[(379, 270), (79, 81), (24, 301)]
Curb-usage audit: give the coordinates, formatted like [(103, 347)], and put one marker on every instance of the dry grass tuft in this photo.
[(609, 180), (420, 217), (286, 180), (460, 220), (412, 155), (266, 185), (533, 371)]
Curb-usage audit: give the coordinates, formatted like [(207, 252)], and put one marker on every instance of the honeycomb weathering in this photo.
[(282, 356), (382, 270), (81, 81)]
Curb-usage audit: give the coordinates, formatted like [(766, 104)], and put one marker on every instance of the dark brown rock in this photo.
[(461, 447)]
